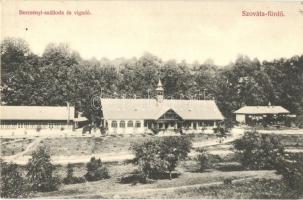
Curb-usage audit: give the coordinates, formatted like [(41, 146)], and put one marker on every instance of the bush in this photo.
[(38, 129), (299, 121), (133, 178), (70, 179), (258, 151), (291, 170), (40, 171), (155, 130), (95, 170), (203, 160), (160, 155), (87, 128), (12, 184)]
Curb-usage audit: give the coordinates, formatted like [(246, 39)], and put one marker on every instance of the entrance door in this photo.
[(166, 125)]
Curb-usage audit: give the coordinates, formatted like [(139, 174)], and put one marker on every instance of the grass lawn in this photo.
[(253, 189), (291, 140), (162, 188), (90, 145), (93, 145)]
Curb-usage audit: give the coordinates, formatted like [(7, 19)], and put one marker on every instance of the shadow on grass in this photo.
[(233, 166), (89, 197), (219, 166), (136, 177)]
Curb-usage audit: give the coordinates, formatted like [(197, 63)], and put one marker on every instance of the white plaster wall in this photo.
[(126, 130), (142, 129), (240, 118)]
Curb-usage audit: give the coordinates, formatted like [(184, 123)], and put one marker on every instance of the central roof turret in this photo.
[(159, 91)]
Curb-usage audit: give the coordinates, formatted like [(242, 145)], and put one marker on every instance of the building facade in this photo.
[(254, 115), (128, 116), (36, 117)]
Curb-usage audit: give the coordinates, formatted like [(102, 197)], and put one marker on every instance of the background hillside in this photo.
[(60, 75)]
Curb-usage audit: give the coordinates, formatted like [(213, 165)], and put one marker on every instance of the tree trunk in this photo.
[(170, 175)]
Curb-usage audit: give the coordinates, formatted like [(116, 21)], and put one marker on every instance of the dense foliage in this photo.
[(203, 160), (291, 169), (259, 151), (41, 171), (160, 155), (13, 185), (61, 75), (95, 170), (70, 178)]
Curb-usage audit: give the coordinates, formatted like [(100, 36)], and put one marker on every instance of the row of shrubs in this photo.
[(39, 175), (95, 171)]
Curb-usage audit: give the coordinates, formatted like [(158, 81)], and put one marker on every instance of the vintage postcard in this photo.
[(151, 99)]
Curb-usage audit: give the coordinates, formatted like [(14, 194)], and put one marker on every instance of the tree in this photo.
[(40, 171), (95, 170), (70, 179), (147, 157), (13, 55), (173, 149), (160, 154), (259, 151), (19, 72), (61, 75), (291, 169), (203, 159), (13, 185)]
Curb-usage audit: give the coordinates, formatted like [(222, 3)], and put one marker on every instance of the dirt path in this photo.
[(236, 133), (282, 132), (14, 141)]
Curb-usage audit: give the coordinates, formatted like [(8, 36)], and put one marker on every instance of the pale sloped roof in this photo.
[(36, 113), (151, 109), (261, 110)]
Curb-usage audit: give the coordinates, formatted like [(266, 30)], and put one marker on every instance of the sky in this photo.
[(181, 30)]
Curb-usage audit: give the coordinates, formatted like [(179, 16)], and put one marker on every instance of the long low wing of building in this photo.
[(36, 117)]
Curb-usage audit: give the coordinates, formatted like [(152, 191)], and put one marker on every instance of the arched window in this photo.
[(138, 124), (114, 124), (122, 124), (130, 124)]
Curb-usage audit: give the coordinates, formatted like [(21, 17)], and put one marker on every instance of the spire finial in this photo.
[(159, 83), (160, 91)]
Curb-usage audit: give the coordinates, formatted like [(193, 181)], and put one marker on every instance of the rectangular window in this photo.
[(138, 124)]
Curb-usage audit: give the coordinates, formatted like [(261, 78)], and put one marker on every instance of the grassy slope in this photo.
[(88, 145), (9, 147)]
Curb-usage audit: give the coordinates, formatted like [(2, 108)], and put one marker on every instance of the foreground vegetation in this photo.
[(254, 189), (162, 169)]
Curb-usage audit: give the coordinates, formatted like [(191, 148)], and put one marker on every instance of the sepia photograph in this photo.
[(161, 99)]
